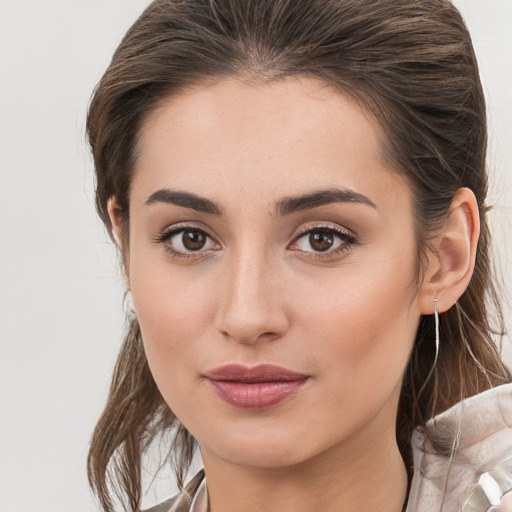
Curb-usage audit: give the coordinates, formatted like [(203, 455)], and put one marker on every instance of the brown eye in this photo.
[(184, 241), (193, 240), (324, 241), (321, 240)]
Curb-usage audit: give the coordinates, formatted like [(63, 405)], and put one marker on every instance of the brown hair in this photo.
[(408, 62)]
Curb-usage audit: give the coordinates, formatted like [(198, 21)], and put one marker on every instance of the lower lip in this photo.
[(256, 395)]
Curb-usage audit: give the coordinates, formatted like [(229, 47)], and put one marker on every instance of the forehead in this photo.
[(282, 137)]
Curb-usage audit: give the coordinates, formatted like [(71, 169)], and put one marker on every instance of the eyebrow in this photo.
[(285, 206), (290, 205), (185, 199)]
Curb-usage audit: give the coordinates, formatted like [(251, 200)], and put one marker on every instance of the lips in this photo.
[(258, 387)]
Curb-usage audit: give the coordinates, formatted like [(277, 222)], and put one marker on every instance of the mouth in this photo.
[(257, 387)]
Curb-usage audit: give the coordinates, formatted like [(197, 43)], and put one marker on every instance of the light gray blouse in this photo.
[(474, 475)]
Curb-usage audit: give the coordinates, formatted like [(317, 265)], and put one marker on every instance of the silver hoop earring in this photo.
[(436, 321)]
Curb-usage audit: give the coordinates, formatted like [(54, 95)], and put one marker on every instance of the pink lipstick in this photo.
[(258, 387)]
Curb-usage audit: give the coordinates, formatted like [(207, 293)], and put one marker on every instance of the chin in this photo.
[(261, 455), (266, 449)]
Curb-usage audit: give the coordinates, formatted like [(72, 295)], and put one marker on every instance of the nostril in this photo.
[(249, 336), (248, 309)]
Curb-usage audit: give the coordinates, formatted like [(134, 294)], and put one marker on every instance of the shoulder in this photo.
[(182, 501), (475, 447)]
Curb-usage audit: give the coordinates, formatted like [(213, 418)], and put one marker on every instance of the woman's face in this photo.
[(266, 229)]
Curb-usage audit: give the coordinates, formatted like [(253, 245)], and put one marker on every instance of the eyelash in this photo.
[(172, 231), (347, 238)]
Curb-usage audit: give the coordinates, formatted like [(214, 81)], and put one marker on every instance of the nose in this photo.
[(252, 306)]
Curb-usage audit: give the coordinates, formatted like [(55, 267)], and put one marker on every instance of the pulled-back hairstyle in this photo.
[(411, 64)]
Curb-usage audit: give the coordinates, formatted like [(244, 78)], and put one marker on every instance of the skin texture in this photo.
[(258, 291)]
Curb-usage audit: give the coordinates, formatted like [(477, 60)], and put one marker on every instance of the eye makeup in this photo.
[(326, 241), (186, 241), (319, 241)]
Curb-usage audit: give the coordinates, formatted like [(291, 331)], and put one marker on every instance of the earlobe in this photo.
[(451, 264)]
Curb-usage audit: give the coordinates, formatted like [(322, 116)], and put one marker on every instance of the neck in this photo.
[(345, 477)]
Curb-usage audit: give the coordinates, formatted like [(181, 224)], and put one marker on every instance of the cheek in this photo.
[(174, 311), (363, 322)]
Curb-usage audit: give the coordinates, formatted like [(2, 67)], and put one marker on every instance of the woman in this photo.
[(297, 190)]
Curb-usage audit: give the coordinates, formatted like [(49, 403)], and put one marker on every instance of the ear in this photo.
[(114, 212), (116, 219), (451, 263)]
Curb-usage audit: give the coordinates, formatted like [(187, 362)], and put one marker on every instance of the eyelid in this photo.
[(182, 226), (324, 225), (348, 239), (172, 230)]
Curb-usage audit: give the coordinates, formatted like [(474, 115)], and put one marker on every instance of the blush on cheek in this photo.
[(371, 340)]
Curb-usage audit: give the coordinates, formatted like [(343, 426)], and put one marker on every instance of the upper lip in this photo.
[(259, 373)]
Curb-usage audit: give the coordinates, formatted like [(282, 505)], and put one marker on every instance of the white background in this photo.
[(60, 290)]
